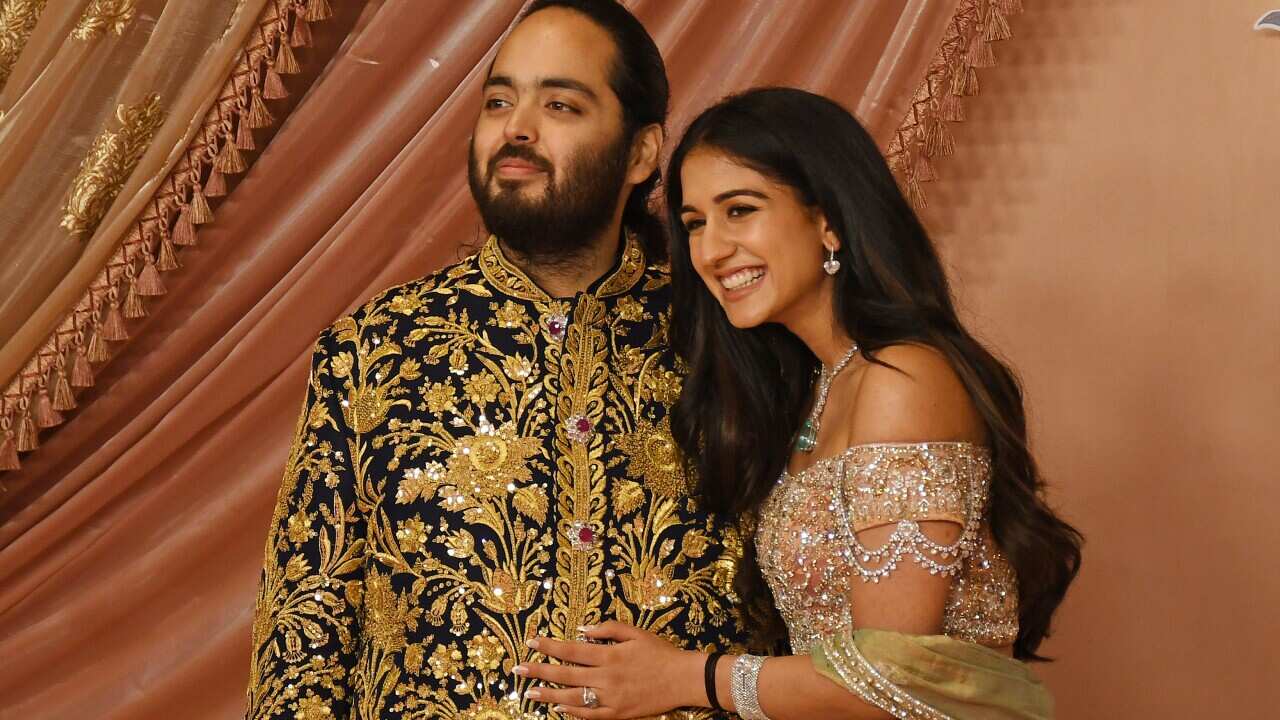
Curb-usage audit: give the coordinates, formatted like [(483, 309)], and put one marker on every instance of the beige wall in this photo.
[(1112, 218)]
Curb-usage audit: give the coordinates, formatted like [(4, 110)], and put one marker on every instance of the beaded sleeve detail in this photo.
[(810, 550)]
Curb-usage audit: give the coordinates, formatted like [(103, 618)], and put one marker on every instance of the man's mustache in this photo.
[(518, 152)]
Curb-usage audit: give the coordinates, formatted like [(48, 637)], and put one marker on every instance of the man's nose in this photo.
[(521, 127)]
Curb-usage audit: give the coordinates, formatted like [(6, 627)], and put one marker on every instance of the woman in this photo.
[(835, 400)]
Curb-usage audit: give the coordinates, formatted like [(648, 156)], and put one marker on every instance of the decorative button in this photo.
[(556, 326), (579, 429), (581, 536)]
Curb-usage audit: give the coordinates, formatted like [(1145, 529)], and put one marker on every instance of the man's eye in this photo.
[(740, 210), (495, 103), (561, 107)]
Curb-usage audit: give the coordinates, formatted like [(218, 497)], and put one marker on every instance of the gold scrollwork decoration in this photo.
[(111, 159)]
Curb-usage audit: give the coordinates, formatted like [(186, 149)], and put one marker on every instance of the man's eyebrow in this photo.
[(569, 84), (562, 83), (501, 80)]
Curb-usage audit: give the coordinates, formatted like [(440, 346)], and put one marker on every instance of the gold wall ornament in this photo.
[(17, 19), (103, 16), (111, 159)]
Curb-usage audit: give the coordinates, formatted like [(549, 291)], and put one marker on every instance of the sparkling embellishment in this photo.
[(579, 429), (810, 552), (807, 439), (581, 536), (556, 326)]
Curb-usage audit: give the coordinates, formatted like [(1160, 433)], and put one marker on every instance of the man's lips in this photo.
[(517, 168)]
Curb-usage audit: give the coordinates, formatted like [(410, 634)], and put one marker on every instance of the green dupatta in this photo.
[(932, 677)]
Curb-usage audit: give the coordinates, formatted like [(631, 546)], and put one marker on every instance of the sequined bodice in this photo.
[(809, 551)]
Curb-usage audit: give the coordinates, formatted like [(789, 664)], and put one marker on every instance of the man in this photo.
[(485, 454)]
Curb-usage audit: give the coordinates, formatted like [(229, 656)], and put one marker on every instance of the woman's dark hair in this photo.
[(747, 390), (639, 80)]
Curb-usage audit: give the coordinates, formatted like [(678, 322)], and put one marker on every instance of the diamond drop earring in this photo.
[(832, 265)]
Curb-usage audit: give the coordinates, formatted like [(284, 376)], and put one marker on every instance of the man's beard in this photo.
[(559, 225)]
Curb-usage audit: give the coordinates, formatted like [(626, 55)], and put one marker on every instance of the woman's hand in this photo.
[(634, 674)]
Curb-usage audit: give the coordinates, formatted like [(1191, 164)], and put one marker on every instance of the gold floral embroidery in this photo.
[(452, 451), (654, 459), (110, 161), (101, 16), (17, 19), (483, 465)]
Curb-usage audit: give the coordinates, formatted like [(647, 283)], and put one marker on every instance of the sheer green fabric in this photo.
[(932, 677)]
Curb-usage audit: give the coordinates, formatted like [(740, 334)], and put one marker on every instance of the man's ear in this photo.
[(645, 149)]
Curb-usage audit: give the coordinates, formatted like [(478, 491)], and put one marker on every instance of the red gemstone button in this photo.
[(583, 425), (586, 535)]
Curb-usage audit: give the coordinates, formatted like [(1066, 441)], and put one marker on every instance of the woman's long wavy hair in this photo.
[(747, 390)]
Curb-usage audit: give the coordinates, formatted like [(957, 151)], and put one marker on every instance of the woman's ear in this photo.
[(830, 240)]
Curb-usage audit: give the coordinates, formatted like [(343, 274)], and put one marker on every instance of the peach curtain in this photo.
[(131, 540), (98, 98)]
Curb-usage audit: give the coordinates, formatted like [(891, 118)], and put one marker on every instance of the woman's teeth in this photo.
[(742, 278)]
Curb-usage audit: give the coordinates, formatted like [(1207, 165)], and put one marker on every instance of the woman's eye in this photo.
[(740, 210), (495, 103), (691, 225)]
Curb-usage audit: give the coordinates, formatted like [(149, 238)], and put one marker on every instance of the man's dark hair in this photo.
[(639, 80)]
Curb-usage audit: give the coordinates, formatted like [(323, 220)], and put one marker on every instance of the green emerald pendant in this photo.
[(807, 440)]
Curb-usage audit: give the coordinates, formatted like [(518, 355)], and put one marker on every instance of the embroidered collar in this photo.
[(511, 280)]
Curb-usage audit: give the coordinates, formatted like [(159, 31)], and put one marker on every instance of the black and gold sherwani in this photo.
[(476, 464)]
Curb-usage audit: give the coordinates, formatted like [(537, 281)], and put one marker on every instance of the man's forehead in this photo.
[(555, 43)]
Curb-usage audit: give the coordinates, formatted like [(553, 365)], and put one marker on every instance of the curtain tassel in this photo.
[(216, 185), (964, 81), (301, 36), (97, 351), (168, 259), (924, 169), (950, 108), (229, 161), (286, 62), (28, 436), (937, 139), (81, 371), (133, 307), (45, 415), (149, 282), (200, 213), (997, 25), (64, 398), (317, 10), (113, 325), (9, 452), (273, 86), (244, 134), (184, 232), (259, 115), (980, 54), (1010, 7)]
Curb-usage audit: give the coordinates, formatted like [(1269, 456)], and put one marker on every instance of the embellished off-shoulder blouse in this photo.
[(810, 553)]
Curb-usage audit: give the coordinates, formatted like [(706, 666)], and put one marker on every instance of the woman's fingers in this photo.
[(568, 701), (578, 653), (558, 674), (612, 630)]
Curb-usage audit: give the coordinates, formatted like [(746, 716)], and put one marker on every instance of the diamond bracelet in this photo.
[(743, 686)]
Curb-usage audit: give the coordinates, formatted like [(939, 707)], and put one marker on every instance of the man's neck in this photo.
[(571, 275)]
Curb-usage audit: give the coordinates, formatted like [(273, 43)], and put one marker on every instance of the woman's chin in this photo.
[(744, 319)]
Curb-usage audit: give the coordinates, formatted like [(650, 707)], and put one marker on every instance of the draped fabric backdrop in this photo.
[(132, 536)]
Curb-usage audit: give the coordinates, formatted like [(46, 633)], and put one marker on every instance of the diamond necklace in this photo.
[(807, 440)]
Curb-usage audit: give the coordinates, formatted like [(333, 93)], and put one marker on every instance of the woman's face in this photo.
[(753, 242)]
